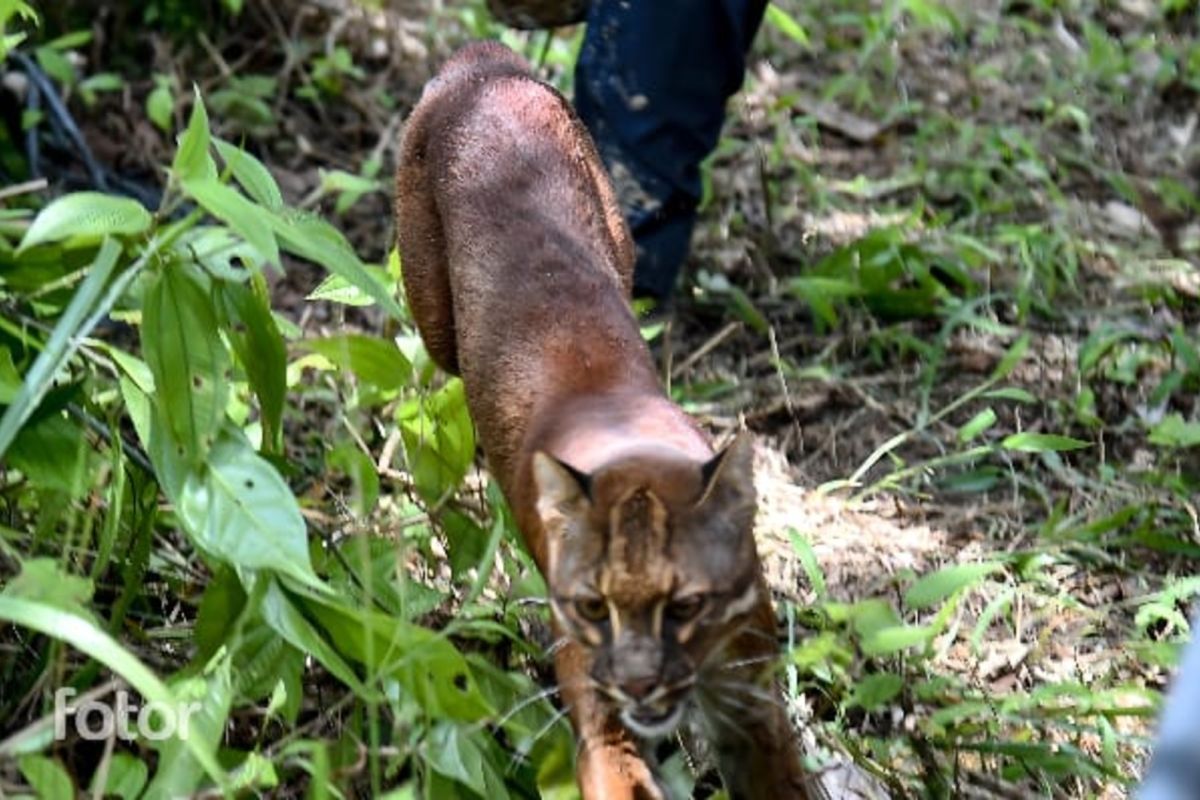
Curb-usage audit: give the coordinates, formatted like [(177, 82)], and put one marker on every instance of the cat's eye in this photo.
[(685, 609), (593, 609)]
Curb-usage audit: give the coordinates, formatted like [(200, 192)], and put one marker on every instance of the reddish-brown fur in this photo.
[(517, 265)]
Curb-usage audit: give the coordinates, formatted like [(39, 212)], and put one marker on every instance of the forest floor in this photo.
[(946, 272)]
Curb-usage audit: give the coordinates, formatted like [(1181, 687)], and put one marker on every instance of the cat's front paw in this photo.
[(616, 772)]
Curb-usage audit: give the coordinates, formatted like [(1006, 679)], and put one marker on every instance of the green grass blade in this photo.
[(74, 325)]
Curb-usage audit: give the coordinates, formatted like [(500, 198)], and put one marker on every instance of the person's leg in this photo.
[(651, 85), (1175, 761)]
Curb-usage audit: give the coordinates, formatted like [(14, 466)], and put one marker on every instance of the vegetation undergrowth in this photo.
[(917, 281)]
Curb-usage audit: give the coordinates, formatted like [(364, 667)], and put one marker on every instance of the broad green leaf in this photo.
[(86, 218), (937, 586), (187, 358), (875, 691), (236, 507), (462, 758), (1041, 443), (439, 440), (126, 778), (72, 328), (43, 580), (280, 612), (209, 698), (823, 294), (246, 318), (868, 616), (47, 777), (1174, 431), (312, 238), (885, 641), (337, 289), (84, 636), (192, 161), (374, 360), (251, 174), (54, 453), (250, 221), (427, 665), (220, 608), (977, 425), (221, 252)]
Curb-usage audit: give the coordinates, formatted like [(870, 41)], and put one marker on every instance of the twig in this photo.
[(713, 342), (16, 189)]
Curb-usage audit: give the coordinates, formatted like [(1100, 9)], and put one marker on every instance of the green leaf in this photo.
[(247, 320), (893, 639), (160, 105), (461, 757), (72, 328), (1041, 443), (210, 697), (47, 777), (977, 425), (310, 237), (1011, 358), (86, 218), (1010, 393), (84, 636), (939, 585), (236, 507), (192, 161), (187, 358), (875, 691), (336, 289), (808, 560), (252, 222), (126, 777), (54, 453), (251, 174), (280, 612), (786, 24), (439, 440), (43, 580), (372, 359), (429, 667), (1174, 431), (10, 379), (364, 479)]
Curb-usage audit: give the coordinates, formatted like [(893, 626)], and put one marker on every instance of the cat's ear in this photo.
[(728, 477), (561, 489)]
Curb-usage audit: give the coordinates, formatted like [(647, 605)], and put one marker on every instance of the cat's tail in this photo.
[(419, 231)]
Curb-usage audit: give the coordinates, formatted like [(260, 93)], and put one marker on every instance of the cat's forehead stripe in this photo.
[(638, 528)]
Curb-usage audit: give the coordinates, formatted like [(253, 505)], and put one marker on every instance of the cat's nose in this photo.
[(640, 688)]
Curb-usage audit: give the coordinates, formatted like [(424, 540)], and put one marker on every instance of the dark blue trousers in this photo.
[(651, 85)]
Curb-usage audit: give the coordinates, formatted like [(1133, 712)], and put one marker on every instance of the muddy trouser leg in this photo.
[(1175, 763), (651, 85)]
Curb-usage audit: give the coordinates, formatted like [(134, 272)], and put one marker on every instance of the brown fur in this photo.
[(517, 265)]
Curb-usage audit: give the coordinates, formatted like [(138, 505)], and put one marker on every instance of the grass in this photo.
[(960, 314)]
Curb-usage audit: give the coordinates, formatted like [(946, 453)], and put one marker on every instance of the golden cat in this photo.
[(517, 266)]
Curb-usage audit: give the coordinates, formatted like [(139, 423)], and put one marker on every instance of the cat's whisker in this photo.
[(521, 705), (748, 662), (557, 644), (522, 752)]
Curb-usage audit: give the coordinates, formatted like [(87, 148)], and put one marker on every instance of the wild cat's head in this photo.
[(652, 567)]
